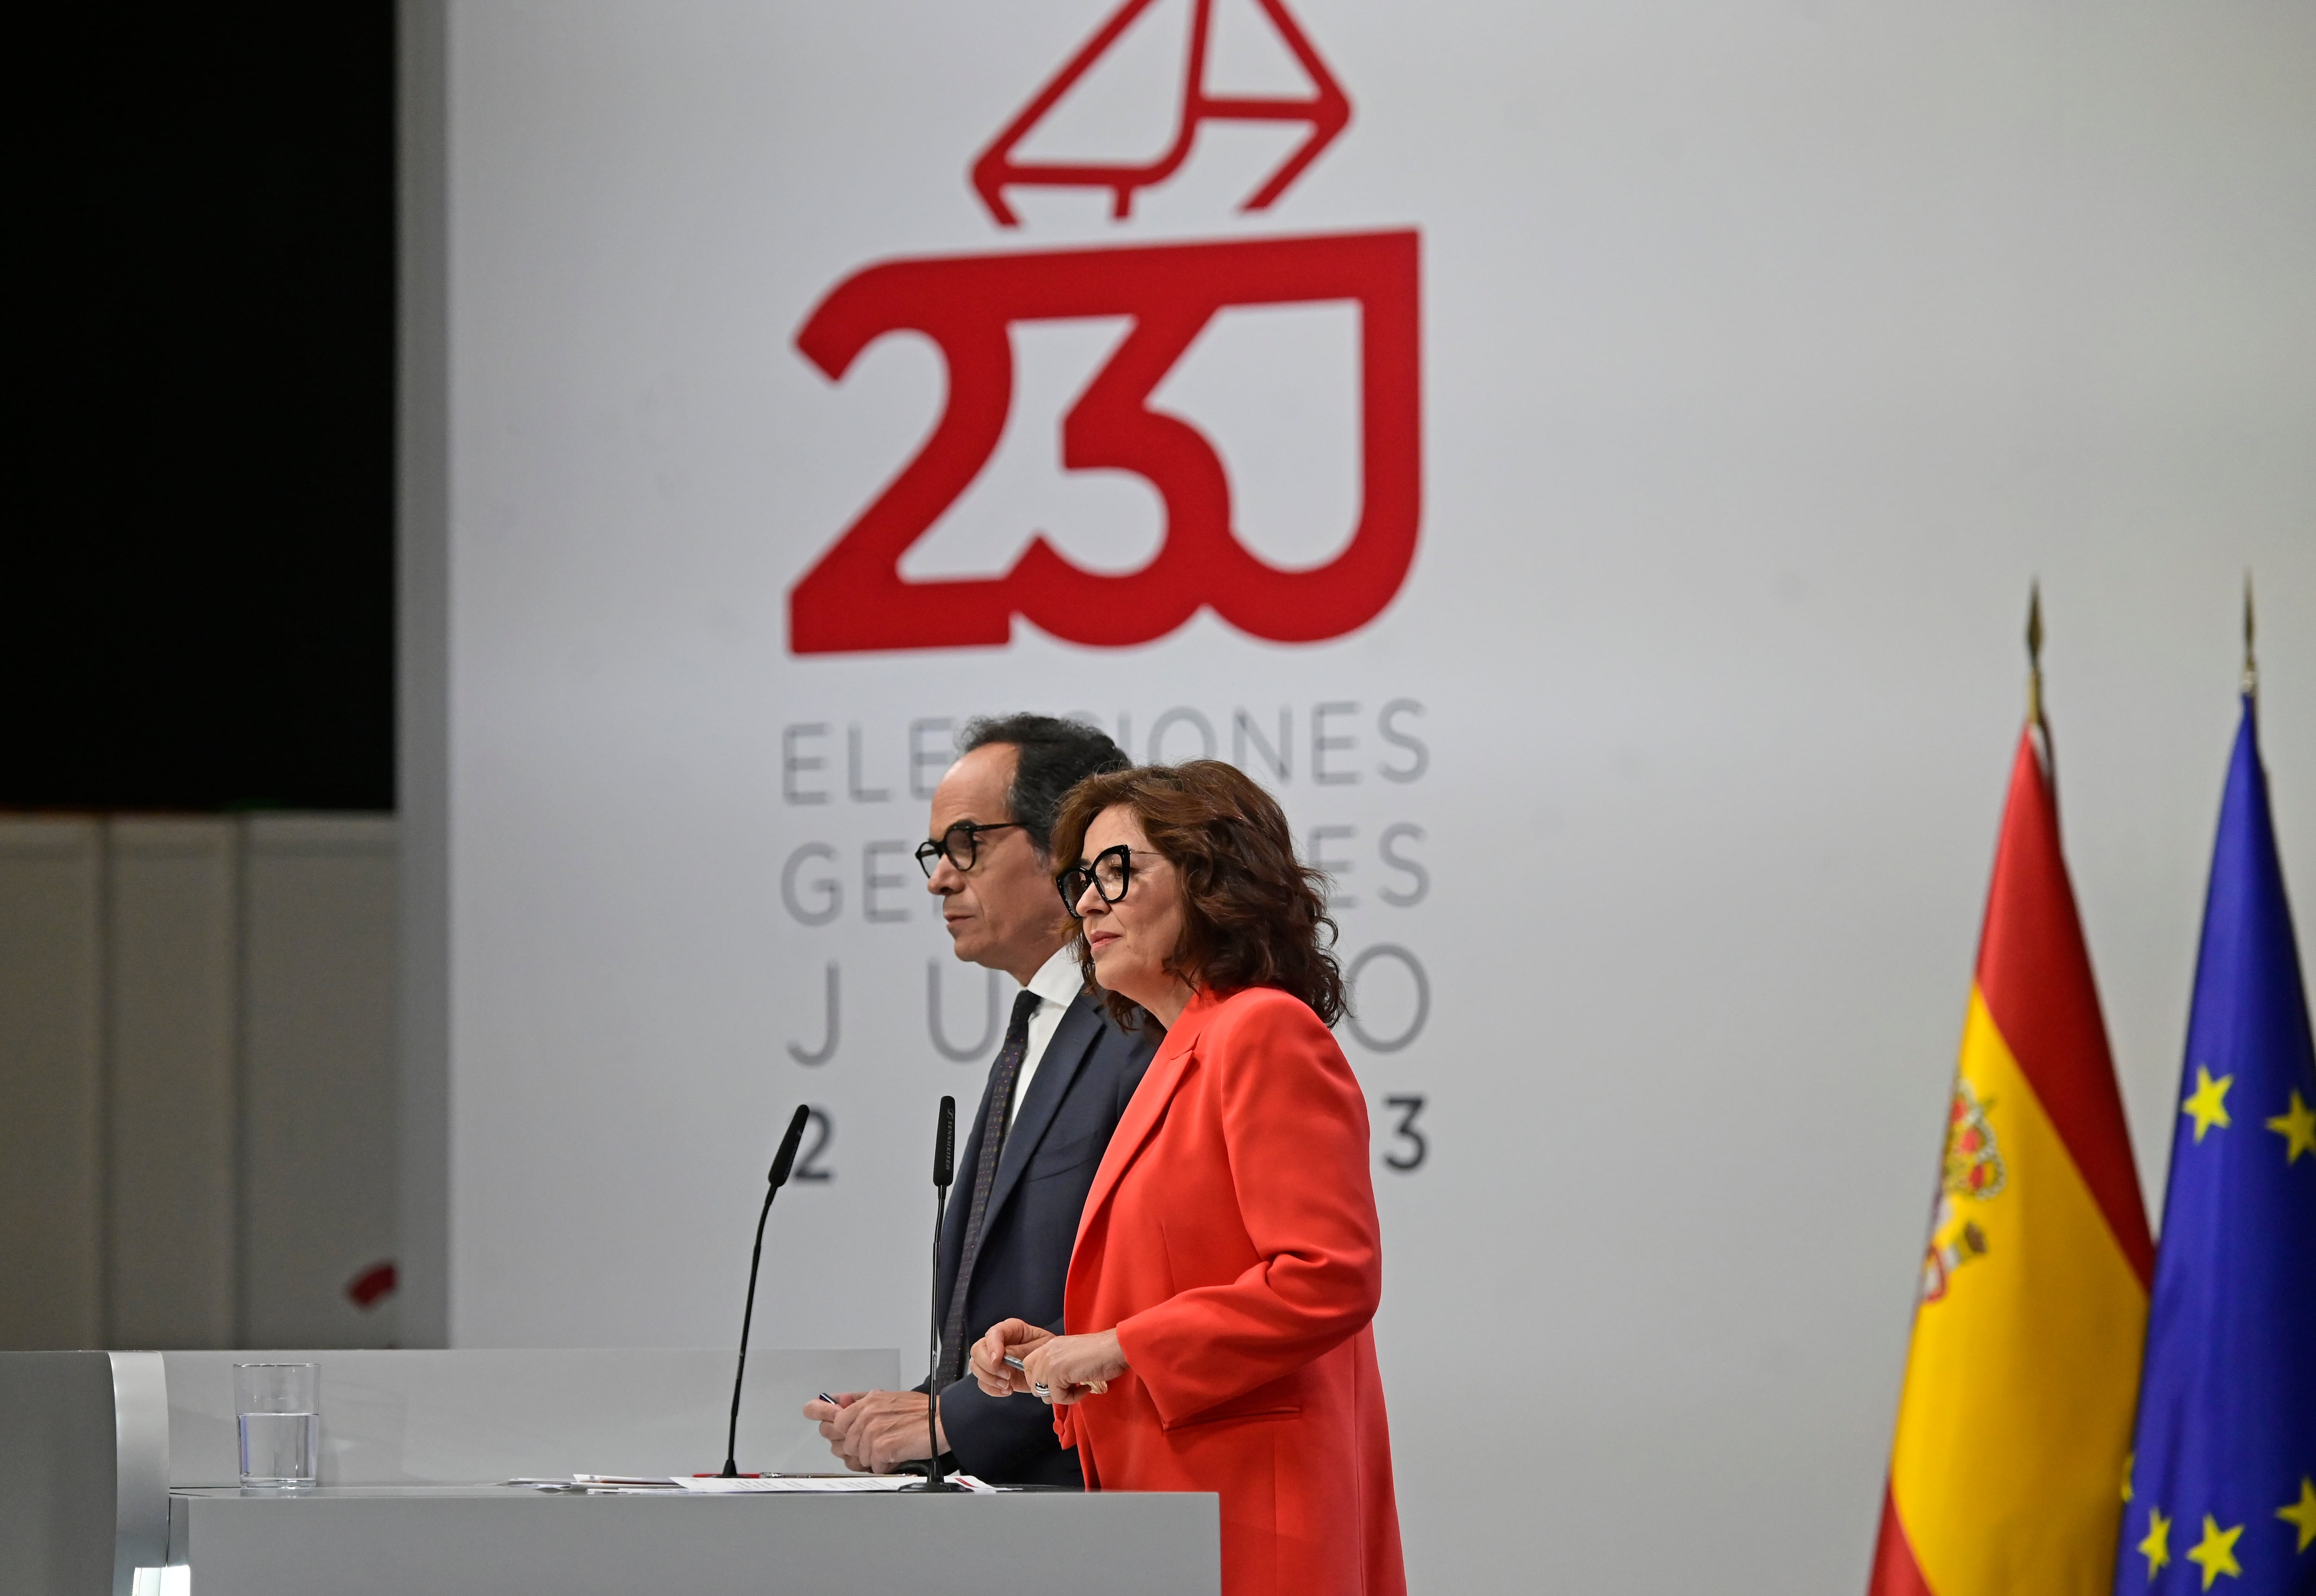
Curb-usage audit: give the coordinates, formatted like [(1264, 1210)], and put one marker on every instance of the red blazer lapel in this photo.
[(1148, 1109)]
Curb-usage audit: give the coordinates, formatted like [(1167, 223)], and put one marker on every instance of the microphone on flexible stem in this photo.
[(944, 1171), (783, 1161)]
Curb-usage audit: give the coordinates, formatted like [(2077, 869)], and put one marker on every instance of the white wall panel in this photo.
[(196, 1083), (422, 678), (317, 1196), (52, 1085), (171, 999)]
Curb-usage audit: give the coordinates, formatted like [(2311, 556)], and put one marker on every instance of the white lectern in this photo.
[(122, 1465)]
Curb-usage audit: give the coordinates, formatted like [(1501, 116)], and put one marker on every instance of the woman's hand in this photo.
[(990, 1369), (1062, 1369)]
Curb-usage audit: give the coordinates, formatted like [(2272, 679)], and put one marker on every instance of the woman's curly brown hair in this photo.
[(1252, 913)]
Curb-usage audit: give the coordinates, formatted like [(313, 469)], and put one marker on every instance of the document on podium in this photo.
[(838, 1483), (766, 1484)]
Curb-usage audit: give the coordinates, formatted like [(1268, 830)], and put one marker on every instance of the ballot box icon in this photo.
[(1321, 104)]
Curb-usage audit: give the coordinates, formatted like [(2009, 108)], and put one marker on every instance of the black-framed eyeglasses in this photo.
[(961, 842), (1109, 874)]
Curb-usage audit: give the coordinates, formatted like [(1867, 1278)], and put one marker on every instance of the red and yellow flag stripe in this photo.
[(2007, 1470)]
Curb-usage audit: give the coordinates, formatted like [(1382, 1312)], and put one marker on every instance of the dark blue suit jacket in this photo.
[(1044, 1170)]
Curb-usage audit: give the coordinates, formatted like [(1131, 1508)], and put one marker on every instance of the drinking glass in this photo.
[(280, 1408)]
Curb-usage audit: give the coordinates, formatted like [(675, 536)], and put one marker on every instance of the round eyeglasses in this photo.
[(961, 843), (1109, 875)]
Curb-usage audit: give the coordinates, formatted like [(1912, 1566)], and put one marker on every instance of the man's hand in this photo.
[(875, 1431)]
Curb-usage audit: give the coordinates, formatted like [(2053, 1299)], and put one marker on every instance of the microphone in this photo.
[(783, 1161), (944, 1173)]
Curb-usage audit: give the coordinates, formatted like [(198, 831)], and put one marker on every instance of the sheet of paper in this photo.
[(806, 1483), (631, 1484), (602, 1483)]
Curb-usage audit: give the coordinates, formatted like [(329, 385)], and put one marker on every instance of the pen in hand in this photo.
[(1097, 1387)]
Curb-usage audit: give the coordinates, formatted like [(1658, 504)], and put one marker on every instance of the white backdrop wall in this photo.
[(1767, 350)]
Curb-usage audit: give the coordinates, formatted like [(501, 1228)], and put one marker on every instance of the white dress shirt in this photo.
[(1057, 984)]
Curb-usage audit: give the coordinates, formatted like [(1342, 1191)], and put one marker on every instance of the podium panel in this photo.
[(125, 1464), (95, 1442), (416, 1541)]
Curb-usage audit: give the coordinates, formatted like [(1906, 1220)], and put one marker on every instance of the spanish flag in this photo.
[(2007, 1470)]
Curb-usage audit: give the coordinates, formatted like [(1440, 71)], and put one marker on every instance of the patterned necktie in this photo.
[(984, 1175)]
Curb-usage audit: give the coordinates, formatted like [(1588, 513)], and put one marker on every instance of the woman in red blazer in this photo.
[(1228, 1262)]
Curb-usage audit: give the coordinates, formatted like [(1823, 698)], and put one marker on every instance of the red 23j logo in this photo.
[(854, 598)]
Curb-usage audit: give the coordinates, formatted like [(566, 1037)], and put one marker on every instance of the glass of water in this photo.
[(280, 1408)]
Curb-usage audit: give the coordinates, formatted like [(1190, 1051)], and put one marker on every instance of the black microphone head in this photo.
[(945, 1145), (784, 1160)]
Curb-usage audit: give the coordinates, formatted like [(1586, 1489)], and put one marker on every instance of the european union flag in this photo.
[(2222, 1483)]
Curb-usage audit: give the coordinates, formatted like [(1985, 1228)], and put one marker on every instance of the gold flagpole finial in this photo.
[(2251, 666), (2035, 651)]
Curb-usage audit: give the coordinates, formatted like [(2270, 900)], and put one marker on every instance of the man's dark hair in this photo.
[(1056, 755)]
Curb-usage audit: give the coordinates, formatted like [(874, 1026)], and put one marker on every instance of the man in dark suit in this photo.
[(1059, 1084)]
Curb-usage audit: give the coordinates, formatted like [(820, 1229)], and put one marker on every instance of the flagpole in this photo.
[(2035, 651), (2251, 666), (2035, 723)]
